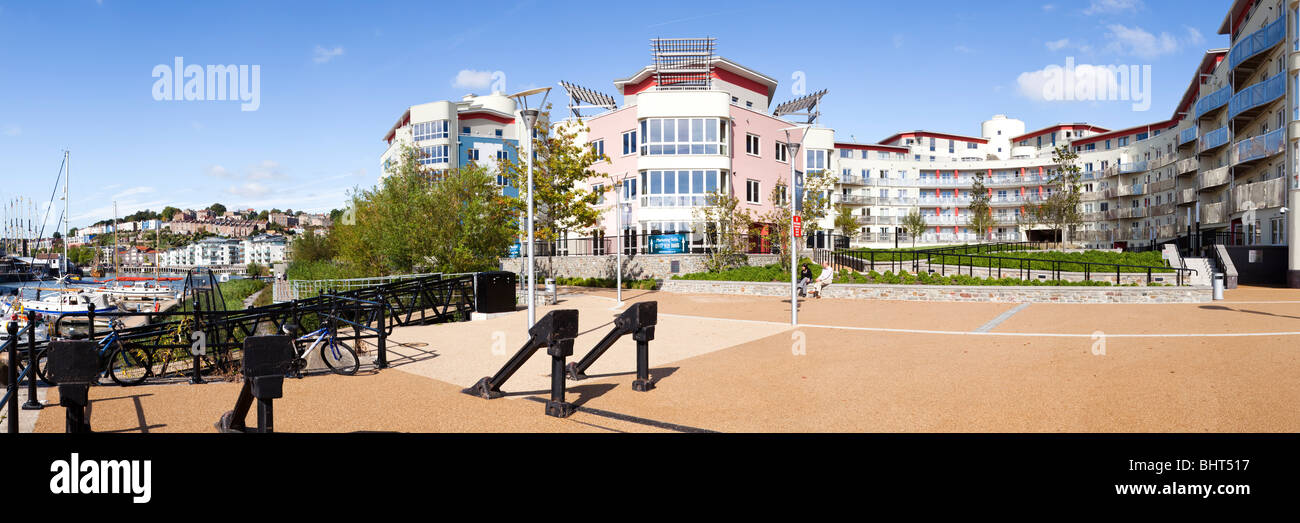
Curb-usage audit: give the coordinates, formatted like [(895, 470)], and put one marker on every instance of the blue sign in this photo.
[(668, 244), (514, 250)]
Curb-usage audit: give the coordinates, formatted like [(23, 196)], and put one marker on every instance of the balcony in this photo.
[(1213, 140), (1268, 194), (944, 201), (1160, 186), (1163, 209), (1186, 196), (853, 180), (1132, 212), (947, 220), (853, 199), (1187, 136), (1136, 189), (1250, 101), (895, 200), (1214, 178), (888, 182), (1214, 213), (931, 181), (1248, 52), (1185, 166), (1213, 102), (1258, 148)]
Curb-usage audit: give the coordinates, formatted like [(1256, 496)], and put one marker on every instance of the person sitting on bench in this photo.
[(824, 279)]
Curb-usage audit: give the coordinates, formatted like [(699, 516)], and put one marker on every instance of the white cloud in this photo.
[(1136, 41), (322, 55), (265, 170), (1113, 6), (1057, 45), (471, 79), (1087, 83), (249, 190), (217, 171)]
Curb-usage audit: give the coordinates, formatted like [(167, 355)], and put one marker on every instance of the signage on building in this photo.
[(514, 250), (668, 244)]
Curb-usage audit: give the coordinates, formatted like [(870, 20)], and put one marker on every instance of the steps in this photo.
[(1204, 270)]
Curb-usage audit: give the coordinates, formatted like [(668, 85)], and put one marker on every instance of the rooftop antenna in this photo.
[(579, 95), (805, 106), (683, 63)]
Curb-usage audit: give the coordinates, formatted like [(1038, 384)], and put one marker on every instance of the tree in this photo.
[(169, 212), (477, 223), (844, 221), (1060, 210), (217, 209), (778, 221), (817, 187), (256, 269), (562, 198), (311, 247), (914, 224), (981, 214), (727, 227)]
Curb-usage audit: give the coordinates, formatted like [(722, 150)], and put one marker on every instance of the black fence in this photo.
[(640, 243), (980, 260)]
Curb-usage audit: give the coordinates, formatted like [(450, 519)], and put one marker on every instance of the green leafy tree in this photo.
[(311, 247), (727, 227), (845, 222), (1060, 211), (778, 223), (981, 219), (914, 224), (217, 208), (477, 223), (169, 212)]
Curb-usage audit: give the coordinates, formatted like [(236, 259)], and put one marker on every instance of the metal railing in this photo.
[(1213, 101), (1259, 147), (1213, 139), (1256, 95), (1257, 42)]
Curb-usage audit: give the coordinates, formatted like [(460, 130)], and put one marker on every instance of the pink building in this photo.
[(670, 146)]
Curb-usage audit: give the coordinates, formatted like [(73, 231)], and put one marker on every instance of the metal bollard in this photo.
[(265, 360), (639, 320), (12, 369), (75, 364), (32, 402), (555, 331), (382, 361), (195, 377)]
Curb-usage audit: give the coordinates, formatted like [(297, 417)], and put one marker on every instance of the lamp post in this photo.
[(529, 116), (618, 262), (793, 149)]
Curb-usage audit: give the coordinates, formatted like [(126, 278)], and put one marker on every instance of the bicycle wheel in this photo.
[(42, 367), (129, 365), (340, 358)]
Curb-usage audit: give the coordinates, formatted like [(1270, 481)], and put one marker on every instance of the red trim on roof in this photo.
[(872, 147), (1167, 124), (1063, 127), (928, 134), (1208, 64), (718, 73), (474, 115)]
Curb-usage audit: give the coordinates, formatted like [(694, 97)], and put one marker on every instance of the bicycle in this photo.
[(336, 354), (125, 364)]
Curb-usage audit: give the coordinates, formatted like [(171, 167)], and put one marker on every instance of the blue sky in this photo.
[(77, 74)]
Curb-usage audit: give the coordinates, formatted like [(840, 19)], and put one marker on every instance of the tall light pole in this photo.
[(793, 152), (529, 116), (618, 210)]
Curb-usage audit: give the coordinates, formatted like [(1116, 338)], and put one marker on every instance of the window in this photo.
[(464, 130), (749, 104), (472, 154), (931, 144), (498, 133), (629, 189), (679, 188), (815, 160), (751, 144), (629, 142), (972, 145), (429, 130), (751, 191), (865, 154), (503, 155), (782, 154), (599, 190), (660, 136), (598, 147), (433, 154), (881, 155), (845, 153), (1123, 141)]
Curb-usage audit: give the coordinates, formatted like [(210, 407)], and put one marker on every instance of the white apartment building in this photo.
[(264, 249), (207, 252)]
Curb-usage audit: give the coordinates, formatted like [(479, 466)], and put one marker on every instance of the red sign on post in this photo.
[(798, 226)]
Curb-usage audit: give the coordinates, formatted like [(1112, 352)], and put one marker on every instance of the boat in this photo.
[(72, 303), (141, 290)]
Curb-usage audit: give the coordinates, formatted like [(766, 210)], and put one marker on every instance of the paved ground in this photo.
[(731, 363)]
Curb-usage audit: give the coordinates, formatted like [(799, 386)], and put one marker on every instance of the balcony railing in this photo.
[(1215, 178), (1258, 147), (1267, 194), (1188, 165), (1213, 101), (1187, 135), (1160, 186), (889, 182), (1214, 213), (1186, 196), (944, 201), (1131, 190), (1257, 95), (1214, 139), (853, 199), (1257, 42), (930, 181), (852, 180), (947, 220)]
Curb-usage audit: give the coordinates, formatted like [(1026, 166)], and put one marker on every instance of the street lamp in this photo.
[(618, 269), (529, 116), (792, 148)]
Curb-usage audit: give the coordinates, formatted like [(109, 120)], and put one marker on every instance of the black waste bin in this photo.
[(494, 292)]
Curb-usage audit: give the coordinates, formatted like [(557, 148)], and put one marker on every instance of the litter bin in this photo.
[(550, 290), (1218, 286), (494, 292)]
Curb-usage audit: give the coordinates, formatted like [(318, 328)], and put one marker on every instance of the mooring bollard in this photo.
[(195, 352), (75, 365), (382, 360), (555, 331), (11, 369), (639, 320), (265, 360), (32, 402)]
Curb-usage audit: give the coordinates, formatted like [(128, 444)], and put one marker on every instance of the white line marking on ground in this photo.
[(976, 333), (1001, 318)]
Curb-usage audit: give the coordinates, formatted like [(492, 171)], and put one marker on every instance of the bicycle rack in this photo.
[(555, 331), (75, 364), (638, 320), (265, 361)]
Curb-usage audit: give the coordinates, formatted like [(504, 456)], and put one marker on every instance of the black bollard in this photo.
[(639, 320), (382, 360), (266, 358), (12, 384), (195, 377), (32, 403), (555, 331), (75, 364)]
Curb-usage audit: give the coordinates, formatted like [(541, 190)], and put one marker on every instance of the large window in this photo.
[(629, 142), (683, 188), (751, 144), (751, 191), (815, 160), (429, 130), (781, 152), (660, 136), (433, 154)]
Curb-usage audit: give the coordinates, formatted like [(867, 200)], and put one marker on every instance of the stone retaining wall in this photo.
[(1027, 294), (635, 267)]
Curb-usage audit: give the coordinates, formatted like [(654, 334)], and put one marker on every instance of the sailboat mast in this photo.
[(67, 218)]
